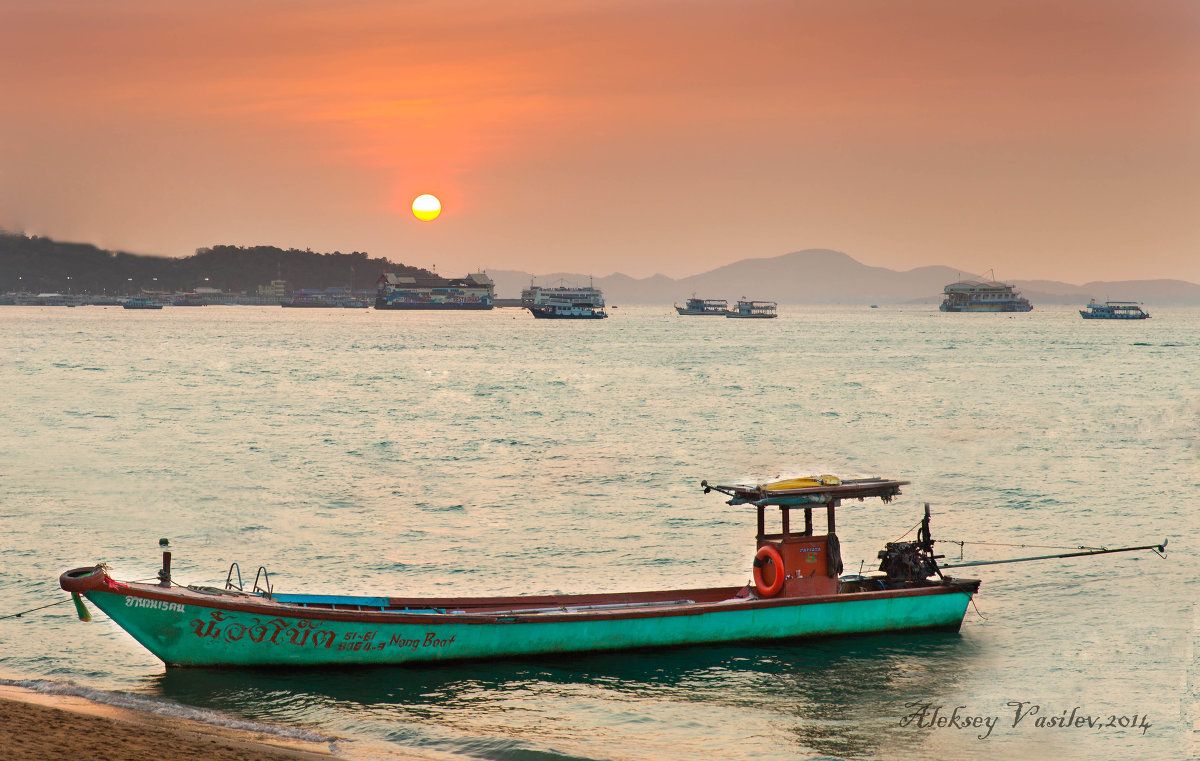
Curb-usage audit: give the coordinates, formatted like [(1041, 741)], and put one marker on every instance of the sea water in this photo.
[(408, 453)]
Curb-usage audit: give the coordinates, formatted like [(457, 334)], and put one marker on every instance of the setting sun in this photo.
[(426, 207)]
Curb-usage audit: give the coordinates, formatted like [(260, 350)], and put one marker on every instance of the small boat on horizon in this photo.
[(707, 307), (798, 590), (1113, 310), (754, 309), (141, 303)]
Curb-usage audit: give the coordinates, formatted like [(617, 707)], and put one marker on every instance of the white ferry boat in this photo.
[(983, 296), (698, 306), (564, 302), (1113, 310), (753, 309)]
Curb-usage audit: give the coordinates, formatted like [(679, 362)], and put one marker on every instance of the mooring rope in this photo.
[(976, 607), (60, 602), (51, 605)]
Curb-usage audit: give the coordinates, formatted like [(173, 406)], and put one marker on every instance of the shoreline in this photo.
[(37, 726), (51, 726)]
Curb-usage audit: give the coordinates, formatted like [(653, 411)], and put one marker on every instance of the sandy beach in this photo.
[(37, 727)]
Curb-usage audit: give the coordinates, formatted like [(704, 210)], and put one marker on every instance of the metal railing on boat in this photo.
[(229, 578)]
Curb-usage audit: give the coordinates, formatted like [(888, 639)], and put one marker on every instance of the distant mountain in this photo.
[(1159, 292), (822, 276), (814, 276)]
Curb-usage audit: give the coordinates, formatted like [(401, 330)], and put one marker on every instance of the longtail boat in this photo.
[(798, 591)]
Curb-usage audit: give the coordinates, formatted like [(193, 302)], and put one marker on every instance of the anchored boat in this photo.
[(426, 291), (1113, 310), (753, 310), (564, 302), (704, 307), (798, 591), (983, 296)]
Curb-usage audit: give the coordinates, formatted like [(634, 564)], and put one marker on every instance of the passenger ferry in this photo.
[(425, 291), (564, 302), (710, 307), (753, 309), (1113, 310), (983, 296)]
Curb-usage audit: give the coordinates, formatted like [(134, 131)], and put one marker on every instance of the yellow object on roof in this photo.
[(809, 482)]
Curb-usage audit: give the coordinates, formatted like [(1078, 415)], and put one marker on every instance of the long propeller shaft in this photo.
[(1160, 549)]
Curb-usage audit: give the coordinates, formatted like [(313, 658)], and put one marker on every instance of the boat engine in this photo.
[(907, 561), (911, 561)]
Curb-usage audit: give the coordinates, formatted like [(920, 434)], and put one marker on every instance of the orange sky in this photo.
[(1044, 139)]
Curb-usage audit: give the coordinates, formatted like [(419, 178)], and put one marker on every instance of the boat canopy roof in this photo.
[(815, 491), (971, 286)]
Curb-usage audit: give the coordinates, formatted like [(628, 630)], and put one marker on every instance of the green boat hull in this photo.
[(184, 634)]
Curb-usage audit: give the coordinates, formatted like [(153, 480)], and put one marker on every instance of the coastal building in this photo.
[(276, 291)]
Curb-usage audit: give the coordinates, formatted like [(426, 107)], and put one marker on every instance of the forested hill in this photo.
[(40, 265)]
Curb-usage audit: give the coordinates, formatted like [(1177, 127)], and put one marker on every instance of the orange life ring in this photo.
[(768, 553)]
